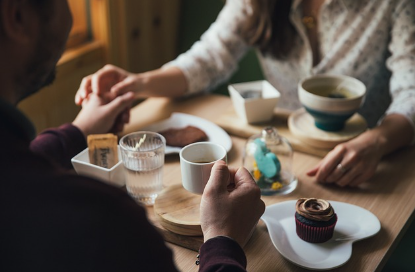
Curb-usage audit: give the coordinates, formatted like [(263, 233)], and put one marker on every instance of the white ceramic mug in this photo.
[(196, 162)]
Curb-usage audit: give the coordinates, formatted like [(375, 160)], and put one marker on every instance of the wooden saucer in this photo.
[(178, 210), (301, 125)]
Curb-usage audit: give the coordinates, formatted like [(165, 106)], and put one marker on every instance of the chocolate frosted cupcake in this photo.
[(315, 220)]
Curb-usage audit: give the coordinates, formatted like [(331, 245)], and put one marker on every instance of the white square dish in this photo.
[(114, 175), (254, 102)]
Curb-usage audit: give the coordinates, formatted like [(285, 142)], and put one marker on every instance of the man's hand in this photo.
[(231, 204), (98, 115)]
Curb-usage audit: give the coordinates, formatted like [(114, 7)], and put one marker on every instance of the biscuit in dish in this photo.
[(181, 137)]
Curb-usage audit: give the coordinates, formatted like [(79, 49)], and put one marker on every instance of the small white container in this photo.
[(254, 102), (114, 175)]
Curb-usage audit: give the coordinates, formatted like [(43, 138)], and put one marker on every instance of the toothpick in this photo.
[(137, 146)]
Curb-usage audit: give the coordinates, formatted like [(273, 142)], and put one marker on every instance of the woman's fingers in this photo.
[(83, 91), (329, 163)]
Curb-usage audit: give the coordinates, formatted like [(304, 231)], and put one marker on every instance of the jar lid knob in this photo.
[(270, 133)]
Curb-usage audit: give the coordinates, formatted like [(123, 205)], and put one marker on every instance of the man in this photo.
[(53, 220)]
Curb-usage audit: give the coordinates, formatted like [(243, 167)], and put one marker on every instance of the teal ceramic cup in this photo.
[(331, 99)]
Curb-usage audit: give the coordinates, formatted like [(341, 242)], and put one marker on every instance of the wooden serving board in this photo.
[(234, 125), (301, 125), (177, 211)]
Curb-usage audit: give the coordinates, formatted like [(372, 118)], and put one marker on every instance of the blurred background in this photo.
[(141, 35)]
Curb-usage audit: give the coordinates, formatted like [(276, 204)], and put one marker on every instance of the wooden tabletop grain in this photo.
[(390, 194)]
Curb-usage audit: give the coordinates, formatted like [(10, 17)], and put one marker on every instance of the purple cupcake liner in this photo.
[(314, 234)]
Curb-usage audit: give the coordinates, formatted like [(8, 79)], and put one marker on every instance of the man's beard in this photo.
[(41, 69), (37, 81), (48, 80)]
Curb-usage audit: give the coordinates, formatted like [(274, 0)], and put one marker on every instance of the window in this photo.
[(80, 32)]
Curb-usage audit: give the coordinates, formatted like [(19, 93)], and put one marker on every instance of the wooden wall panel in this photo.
[(137, 35), (149, 31)]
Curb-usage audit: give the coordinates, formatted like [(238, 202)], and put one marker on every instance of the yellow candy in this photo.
[(276, 185), (257, 173)]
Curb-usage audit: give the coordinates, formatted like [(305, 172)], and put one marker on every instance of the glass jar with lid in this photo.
[(268, 157)]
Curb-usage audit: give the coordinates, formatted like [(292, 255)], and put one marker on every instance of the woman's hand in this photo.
[(350, 163), (354, 162), (108, 82)]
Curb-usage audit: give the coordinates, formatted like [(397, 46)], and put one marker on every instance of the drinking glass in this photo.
[(143, 158)]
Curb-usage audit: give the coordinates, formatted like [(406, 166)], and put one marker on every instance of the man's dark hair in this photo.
[(41, 5)]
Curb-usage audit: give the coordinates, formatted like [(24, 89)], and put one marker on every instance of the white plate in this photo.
[(179, 120), (354, 223)]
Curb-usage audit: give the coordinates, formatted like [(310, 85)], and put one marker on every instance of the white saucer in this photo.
[(354, 223)]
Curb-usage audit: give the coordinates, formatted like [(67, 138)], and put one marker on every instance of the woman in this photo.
[(372, 41)]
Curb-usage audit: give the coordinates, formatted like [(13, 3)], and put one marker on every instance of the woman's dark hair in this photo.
[(269, 28)]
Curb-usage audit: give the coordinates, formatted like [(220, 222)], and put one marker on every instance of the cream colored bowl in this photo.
[(331, 99)]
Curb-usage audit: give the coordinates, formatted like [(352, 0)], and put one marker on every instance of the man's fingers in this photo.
[(219, 177), (126, 116), (120, 103), (242, 176)]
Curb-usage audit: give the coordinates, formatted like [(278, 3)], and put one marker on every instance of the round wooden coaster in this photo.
[(178, 210), (301, 125)]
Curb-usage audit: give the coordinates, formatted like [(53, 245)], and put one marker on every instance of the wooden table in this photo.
[(390, 194)]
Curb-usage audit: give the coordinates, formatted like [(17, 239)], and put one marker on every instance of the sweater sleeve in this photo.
[(59, 145), (214, 58), (221, 254)]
